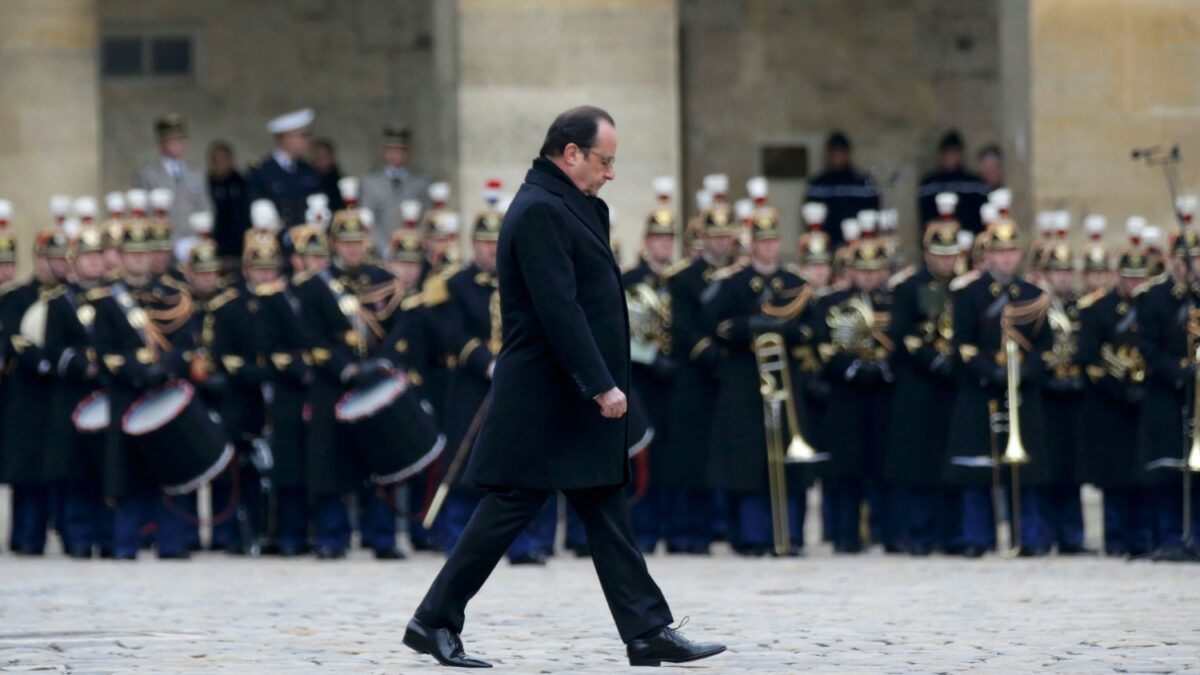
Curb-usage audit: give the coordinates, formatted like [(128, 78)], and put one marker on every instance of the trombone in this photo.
[(1014, 454), (775, 385)]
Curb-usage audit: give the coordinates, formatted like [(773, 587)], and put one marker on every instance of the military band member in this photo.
[(441, 234), (1097, 265), (989, 308), (339, 305), (27, 390), (744, 302), (652, 370), (139, 340), (284, 177), (852, 342), (85, 522), (286, 346), (1167, 340), (815, 248), (685, 457), (8, 245), (224, 368), (921, 331), (1116, 372)]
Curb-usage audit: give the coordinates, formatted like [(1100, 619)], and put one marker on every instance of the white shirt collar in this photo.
[(283, 159)]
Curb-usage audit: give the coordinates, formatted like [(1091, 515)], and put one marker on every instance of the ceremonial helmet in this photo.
[(1095, 255), (8, 243), (259, 253), (202, 257), (662, 219), (814, 245), (405, 246), (487, 222)]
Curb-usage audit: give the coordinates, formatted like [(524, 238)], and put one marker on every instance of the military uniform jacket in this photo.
[(652, 383), (289, 190), (978, 310), (472, 341), (285, 344), (1108, 438), (921, 332), (137, 331), (566, 341), (348, 315), (1062, 393), (383, 196), (70, 349), (855, 358), (189, 192), (27, 388), (226, 351), (684, 458), (1163, 312)]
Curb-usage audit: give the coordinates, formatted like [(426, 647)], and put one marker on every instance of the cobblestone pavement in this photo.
[(872, 613), (869, 614)]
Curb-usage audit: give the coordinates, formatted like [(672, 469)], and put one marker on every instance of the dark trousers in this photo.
[(921, 515), (537, 537), (30, 517), (1168, 513), (1062, 511), (646, 517), (172, 532), (376, 520), (845, 513), (636, 603), (689, 516), (979, 524), (331, 523), (291, 518), (754, 528), (84, 520), (1128, 521)]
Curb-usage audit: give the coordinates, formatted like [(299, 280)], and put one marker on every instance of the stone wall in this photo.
[(49, 131), (1108, 76), (521, 62), (359, 63), (893, 75)]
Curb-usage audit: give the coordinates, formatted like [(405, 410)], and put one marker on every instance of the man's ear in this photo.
[(571, 154)]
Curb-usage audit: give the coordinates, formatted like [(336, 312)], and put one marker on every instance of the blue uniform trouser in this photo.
[(688, 517), (951, 521), (291, 518), (892, 530), (460, 504), (646, 518), (376, 520), (979, 526), (1168, 513), (1062, 513), (422, 539), (752, 519), (172, 532), (845, 508), (921, 515), (1128, 521), (331, 523), (31, 503), (84, 520)]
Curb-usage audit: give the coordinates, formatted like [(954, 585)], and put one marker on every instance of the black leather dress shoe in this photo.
[(671, 646), (971, 551), (329, 553), (530, 558), (389, 554), (442, 644), (80, 553), (1077, 550)]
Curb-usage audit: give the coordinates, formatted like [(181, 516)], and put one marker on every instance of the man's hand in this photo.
[(612, 403)]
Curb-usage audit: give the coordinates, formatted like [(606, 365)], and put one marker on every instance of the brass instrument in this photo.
[(649, 318), (1124, 363), (1014, 454), (1061, 358), (851, 328), (775, 385)]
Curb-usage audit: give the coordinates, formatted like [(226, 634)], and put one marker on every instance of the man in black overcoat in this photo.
[(557, 418)]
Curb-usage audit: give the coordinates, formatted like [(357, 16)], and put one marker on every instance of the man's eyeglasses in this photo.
[(606, 162)]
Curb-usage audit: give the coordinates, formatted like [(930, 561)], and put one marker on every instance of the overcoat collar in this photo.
[(588, 209)]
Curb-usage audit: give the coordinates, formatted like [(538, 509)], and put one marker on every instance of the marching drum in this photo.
[(181, 442), (91, 419), (391, 427)]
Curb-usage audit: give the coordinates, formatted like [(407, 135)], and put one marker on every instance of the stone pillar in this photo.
[(1107, 76), (521, 62), (49, 111)]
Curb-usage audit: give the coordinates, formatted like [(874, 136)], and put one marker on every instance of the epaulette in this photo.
[(963, 280), (901, 277), (221, 299), (435, 290), (795, 269), (1091, 298), (270, 288), (412, 302), (677, 267), (450, 269), (172, 282), (11, 286), (48, 294), (301, 277), (1142, 288), (1156, 280), (728, 271), (98, 293)]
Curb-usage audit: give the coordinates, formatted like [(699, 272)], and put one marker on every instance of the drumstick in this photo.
[(464, 449)]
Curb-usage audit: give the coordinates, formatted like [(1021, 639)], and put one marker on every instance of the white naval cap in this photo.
[(293, 121)]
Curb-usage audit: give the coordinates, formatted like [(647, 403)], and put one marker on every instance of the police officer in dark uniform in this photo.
[(284, 176), (652, 370), (921, 331), (689, 502), (1116, 372), (984, 302), (1059, 504), (1165, 309), (342, 305), (841, 187), (951, 176), (284, 342), (85, 522), (139, 338), (224, 367), (854, 348), (745, 301)]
